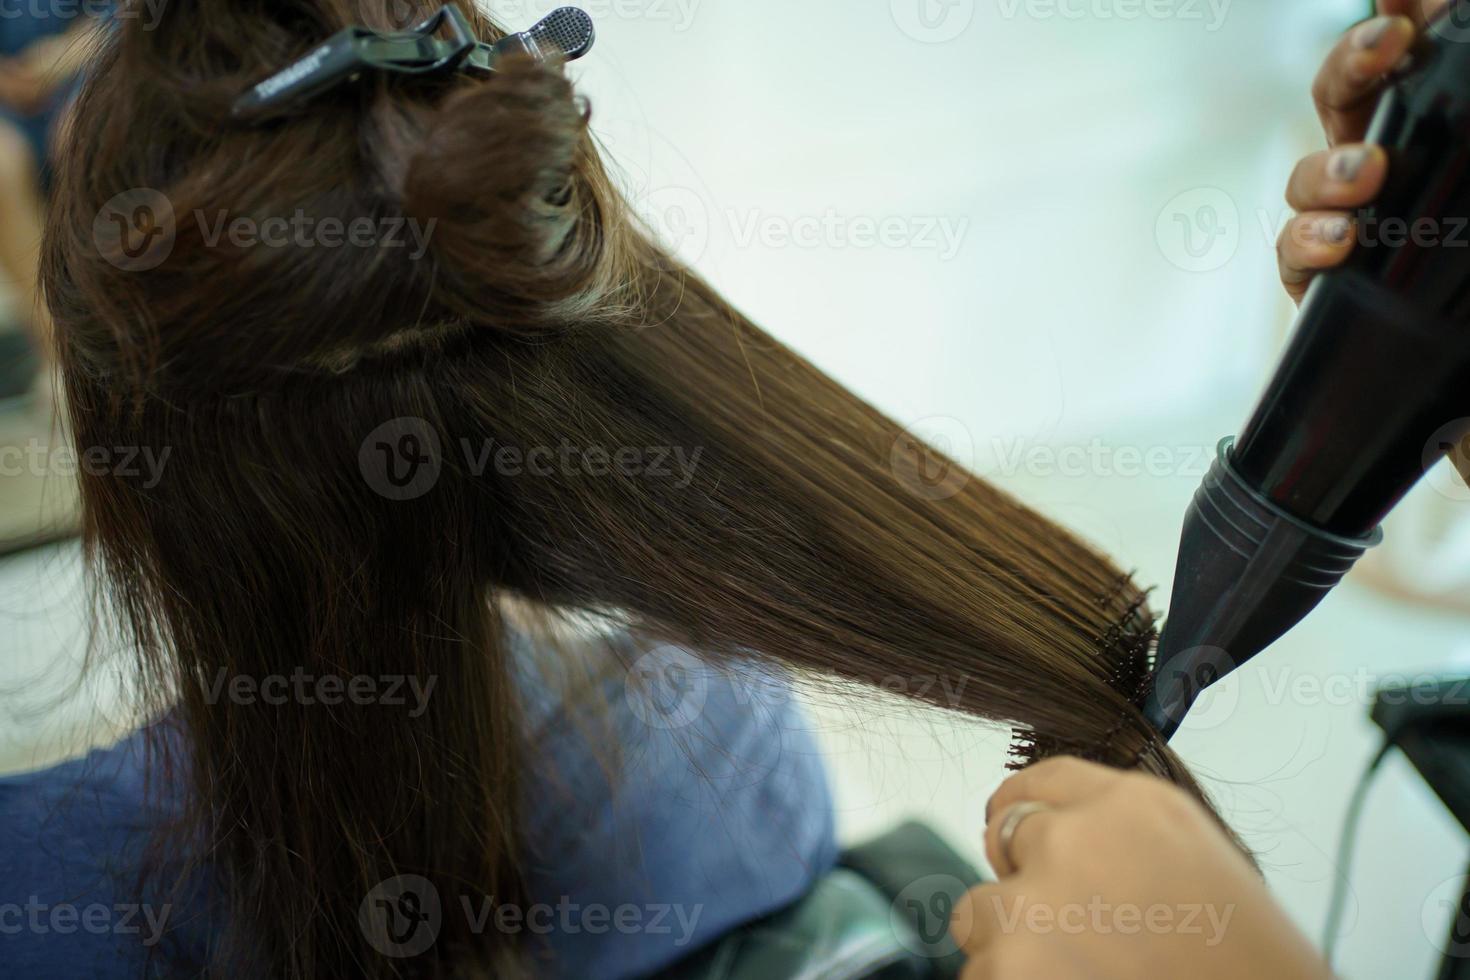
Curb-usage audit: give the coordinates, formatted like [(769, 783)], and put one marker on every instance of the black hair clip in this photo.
[(565, 34)]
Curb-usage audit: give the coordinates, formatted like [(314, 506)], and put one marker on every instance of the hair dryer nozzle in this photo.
[(1248, 571)]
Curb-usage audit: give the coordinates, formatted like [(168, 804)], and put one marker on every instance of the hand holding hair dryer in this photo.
[(1373, 388)]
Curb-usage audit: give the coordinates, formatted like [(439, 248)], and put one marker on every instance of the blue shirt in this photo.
[(714, 811)]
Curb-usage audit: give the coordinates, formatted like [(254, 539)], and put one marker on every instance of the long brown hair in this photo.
[(286, 383)]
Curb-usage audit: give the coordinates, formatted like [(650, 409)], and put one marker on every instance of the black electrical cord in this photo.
[(1345, 847)]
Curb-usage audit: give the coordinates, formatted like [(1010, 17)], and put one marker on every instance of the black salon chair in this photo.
[(883, 912)]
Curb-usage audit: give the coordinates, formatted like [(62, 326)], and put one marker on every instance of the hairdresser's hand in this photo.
[(1327, 186), (1121, 876)]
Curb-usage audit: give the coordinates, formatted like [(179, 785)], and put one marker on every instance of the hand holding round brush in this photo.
[(1110, 875)]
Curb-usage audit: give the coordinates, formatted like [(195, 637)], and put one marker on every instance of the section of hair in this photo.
[(811, 530)]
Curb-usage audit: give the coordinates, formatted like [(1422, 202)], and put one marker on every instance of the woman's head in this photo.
[(310, 230), (375, 437)]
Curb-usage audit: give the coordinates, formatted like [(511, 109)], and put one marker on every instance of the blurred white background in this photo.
[(1042, 232), (1069, 276)]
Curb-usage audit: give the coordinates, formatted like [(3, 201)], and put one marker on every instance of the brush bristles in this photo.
[(1128, 647)]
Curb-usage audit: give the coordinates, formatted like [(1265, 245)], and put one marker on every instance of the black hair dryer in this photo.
[(1374, 387)]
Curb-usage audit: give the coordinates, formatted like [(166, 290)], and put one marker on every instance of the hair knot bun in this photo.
[(509, 191)]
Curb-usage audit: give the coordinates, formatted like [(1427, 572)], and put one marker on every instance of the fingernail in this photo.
[(1335, 230), (1367, 34), (1344, 164)]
